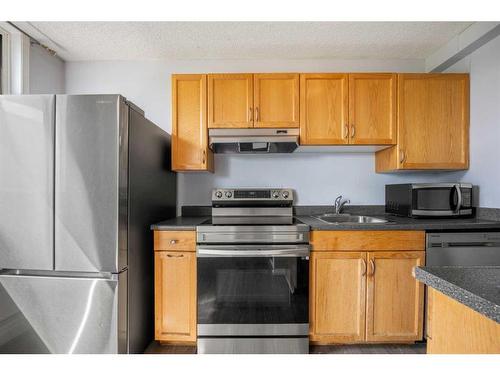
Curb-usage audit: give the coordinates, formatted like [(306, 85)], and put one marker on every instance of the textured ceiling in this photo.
[(246, 40)]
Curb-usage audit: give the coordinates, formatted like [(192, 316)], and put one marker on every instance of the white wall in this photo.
[(46, 72), (484, 68), (147, 83), (317, 178)]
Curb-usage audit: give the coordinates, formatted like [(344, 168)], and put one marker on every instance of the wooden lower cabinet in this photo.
[(175, 296), (395, 299), (337, 298), (453, 328), (365, 297)]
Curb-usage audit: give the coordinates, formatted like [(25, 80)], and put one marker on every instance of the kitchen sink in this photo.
[(350, 219)]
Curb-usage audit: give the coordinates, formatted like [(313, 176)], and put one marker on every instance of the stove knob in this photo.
[(276, 195), (229, 194), (285, 194), (218, 194)]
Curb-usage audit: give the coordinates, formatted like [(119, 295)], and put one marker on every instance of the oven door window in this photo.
[(435, 199), (242, 290)]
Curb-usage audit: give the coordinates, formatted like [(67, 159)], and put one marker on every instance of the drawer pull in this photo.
[(173, 242), (175, 256)]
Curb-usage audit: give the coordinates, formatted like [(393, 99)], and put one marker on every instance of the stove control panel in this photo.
[(247, 195)]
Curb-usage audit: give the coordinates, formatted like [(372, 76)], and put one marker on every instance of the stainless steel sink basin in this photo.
[(349, 219)]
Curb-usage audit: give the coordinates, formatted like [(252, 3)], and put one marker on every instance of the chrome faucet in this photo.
[(339, 205)]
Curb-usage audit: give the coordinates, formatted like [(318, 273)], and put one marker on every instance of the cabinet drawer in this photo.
[(175, 240), (367, 240)]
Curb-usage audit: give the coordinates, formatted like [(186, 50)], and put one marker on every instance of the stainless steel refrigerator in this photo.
[(82, 177)]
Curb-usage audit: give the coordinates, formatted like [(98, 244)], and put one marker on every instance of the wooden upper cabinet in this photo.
[(337, 297), (276, 100), (175, 296), (190, 150), (230, 100), (394, 297), (372, 108), (323, 109), (433, 124)]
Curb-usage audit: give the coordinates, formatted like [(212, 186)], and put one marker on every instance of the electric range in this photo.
[(253, 274)]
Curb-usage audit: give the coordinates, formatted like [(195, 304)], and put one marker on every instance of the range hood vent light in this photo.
[(253, 141)]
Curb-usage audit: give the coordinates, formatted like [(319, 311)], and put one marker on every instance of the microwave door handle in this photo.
[(459, 198)]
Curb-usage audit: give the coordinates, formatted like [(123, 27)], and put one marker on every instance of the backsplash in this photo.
[(316, 178)]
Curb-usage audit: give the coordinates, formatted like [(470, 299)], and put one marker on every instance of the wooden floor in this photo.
[(156, 348)]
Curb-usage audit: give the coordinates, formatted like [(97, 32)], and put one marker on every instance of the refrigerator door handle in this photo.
[(59, 274)]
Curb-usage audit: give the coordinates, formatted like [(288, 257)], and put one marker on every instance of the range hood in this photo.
[(253, 141)]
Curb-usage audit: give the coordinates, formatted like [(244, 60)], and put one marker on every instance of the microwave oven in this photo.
[(440, 199)]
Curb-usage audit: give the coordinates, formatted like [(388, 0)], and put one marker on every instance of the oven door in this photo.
[(253, 290), (441, 199)]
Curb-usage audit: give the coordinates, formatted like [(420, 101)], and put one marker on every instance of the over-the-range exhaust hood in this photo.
[(253, 141)]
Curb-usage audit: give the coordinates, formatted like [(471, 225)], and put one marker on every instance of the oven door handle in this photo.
[(213, 252)]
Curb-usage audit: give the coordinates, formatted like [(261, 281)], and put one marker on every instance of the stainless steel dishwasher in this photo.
[(463, 249)]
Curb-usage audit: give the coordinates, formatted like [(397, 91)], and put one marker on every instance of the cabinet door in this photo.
[(395, 299), (189, 123), (337, 297), (323, 109), (276, 100), (372, 109), (230, 100), (457, 329), (175, 296), (433, 121)]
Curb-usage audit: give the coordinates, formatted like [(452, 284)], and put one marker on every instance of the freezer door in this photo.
[(91, 183), (47, 314), (26, 181)]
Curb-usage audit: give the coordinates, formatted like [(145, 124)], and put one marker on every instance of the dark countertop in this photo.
[(395, 223), (475, 287), (405, 223), (180, 223)]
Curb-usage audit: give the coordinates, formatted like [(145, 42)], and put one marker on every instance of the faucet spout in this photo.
[(339, 205)]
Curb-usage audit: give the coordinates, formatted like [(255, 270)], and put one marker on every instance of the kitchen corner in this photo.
[(250, 188)]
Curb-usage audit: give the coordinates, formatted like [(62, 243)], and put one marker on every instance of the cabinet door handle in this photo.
[(256, 113), (175, 256), (346, 131), (372, 267), (251, 113), (402, 156), (353, 131), (204, 153), (364, 267)]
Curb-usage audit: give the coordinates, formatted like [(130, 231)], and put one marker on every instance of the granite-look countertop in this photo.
[(404, 223), (180, 223), (475, 287), (395, 223)]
